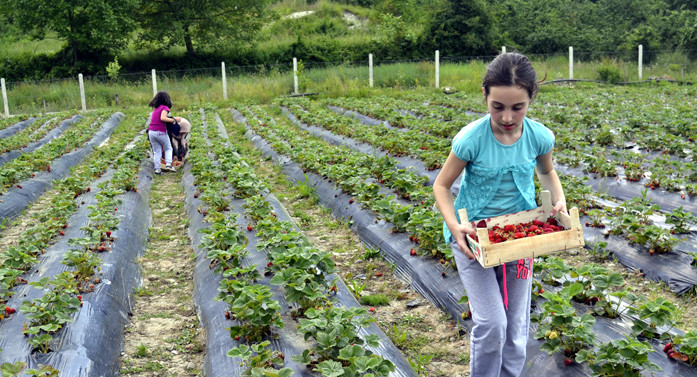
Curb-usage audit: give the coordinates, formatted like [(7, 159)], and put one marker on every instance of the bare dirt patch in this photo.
[(164, 337)]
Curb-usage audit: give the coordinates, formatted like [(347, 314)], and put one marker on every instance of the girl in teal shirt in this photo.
[(499, 155)]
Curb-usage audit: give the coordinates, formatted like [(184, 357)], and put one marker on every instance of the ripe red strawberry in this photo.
[(351, 201), (378, 274), (519, 235), (412, 252), (567, 362), (237, 337), (443, 273), (509, 228), (61, 233), (537, 223), (249, 228), (552, 221), (108, 233), (89, 189), (9, 310), (481, 224), (411, 238), (20, 186), (65, 226), (667, 347), (79, 297)]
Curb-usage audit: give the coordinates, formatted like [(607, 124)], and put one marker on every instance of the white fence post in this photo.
[(295, 74), (641, 59), (503, 49), (4, 98), (437, 69), (370, 69), (571, 62), (154, 83), (82, 92), (224, 82)]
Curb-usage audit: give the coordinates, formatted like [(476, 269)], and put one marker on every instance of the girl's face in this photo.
[(507, 106)]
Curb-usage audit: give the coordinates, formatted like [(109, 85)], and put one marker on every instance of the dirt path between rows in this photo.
[(164, 337)]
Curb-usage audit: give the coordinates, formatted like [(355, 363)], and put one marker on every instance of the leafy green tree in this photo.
[(461, 27), (201, 23), (91, 28)]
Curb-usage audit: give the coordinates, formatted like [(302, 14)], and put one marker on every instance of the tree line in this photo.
[(96, 31)]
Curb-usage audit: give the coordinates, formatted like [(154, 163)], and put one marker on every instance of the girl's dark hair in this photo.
[(161, 98), (511, 69)]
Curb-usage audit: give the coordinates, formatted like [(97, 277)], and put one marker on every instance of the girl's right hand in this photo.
[(459, 236)]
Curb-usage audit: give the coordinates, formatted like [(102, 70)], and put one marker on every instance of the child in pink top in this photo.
[(157, 131)]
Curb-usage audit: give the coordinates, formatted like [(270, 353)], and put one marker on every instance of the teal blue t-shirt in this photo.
[(498, 178)]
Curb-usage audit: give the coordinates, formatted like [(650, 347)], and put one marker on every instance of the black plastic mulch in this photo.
[(15, 200), (54, 133), (212, 313), (13, 129), (91, 345)]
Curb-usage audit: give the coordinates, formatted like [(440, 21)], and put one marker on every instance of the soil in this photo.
[(164, 337)]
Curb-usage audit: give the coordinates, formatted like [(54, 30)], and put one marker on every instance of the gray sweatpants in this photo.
[(159, 141), (499, 298)]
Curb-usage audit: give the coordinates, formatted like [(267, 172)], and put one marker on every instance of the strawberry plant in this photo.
[(551, 270), (686, 346), (20, 257), (48, 313), (682, 220), (260, 361), (336, 331), (84, 262), (254, 307), (303, 272), (561, 328), (659, 313), (619, 358), (223, 236)]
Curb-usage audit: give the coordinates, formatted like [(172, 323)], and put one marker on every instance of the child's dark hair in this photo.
[(510, 69), (161, 98)]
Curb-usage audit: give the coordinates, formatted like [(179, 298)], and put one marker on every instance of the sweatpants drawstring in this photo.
[(505, 288)]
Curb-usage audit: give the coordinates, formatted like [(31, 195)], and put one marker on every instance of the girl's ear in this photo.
[(484, 92)]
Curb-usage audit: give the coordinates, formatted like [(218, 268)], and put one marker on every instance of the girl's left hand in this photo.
[(559, 206)]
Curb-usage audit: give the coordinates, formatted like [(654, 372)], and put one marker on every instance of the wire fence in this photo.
[(268, 80)]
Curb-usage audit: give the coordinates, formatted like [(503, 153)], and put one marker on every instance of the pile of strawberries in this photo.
[(498, 234)]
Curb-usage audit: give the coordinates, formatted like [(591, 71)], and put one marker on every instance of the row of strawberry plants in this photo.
[(394, 111), (362, 176), (300, 269), (28, 164), (8, 122), (61, 295), (225, 246), (564, 331), (428, 149), (657, 238), (38, 129), (575, 144), (50, 223)]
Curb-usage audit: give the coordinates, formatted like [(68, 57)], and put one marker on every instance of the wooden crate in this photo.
[(490, 255)]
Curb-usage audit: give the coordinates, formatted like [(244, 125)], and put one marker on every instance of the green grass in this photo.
[(27, 46), (264, 87)]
